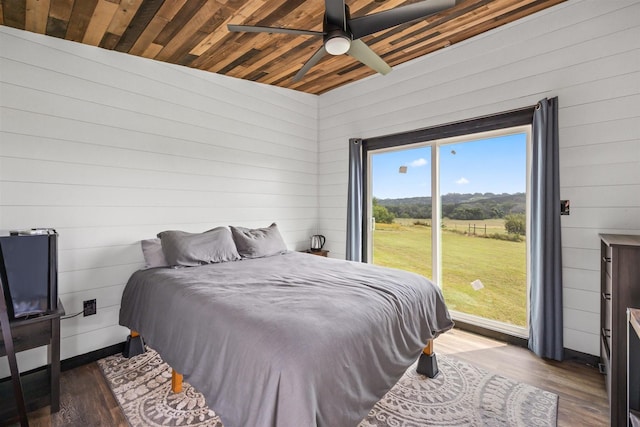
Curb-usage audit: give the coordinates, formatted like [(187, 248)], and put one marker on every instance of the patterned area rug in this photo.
[(462, 395)]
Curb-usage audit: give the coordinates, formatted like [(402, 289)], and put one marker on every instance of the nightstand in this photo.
[(321, 252), (42, 386)]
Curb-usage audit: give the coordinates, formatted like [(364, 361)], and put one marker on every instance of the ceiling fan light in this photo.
[(337, 45)]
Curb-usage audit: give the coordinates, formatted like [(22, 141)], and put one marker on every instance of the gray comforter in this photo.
[(293, 340)]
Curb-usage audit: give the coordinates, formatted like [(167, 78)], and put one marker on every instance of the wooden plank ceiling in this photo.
[(194, 33)]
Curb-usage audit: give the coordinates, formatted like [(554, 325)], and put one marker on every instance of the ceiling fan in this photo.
[(341, 34)]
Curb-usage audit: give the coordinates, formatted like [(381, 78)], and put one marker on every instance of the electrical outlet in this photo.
[(90, 307)]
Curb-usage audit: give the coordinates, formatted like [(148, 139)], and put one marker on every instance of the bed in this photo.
[(286, 340)]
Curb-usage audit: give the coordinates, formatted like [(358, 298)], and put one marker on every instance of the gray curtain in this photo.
[(545, 321), (354, 202)]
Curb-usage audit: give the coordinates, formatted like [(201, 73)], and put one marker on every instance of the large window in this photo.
[(456, 209)]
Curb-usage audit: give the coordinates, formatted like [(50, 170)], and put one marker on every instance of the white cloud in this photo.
[(419, 162), (462, 181)]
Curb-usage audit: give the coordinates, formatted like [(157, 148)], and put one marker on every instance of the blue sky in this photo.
[(494, 165)]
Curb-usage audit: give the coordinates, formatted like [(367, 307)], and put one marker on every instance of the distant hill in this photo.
[(458, 206)]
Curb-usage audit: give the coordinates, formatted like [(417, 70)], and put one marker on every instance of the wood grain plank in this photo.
[(120, 22), (102, 16), (56, 27), (281, 13), (217, 54), (271, 45), (229, 51), (164, 15), (440, 26), (304, 51), (469, 29), (144, 15), (467, 22), (434, 25), (240, 60), (36, 16), (109, 41), (261, 13), (215, 37), (58, 20), (14, 13), (61, 9), (190, 35), (495, 22), (152, 50), (79, 20), (127, 9), (190, 8)]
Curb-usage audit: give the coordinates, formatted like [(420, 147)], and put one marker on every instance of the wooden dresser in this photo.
[(620, 288), (633, 366)]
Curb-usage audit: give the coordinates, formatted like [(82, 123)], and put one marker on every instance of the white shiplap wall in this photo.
[(110, 149), (587, 53)]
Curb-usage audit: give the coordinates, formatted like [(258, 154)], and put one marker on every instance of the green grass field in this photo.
[(500, 265)]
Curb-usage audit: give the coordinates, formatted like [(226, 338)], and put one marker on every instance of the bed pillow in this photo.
[(192, 249), (153, 255), (258, 242)]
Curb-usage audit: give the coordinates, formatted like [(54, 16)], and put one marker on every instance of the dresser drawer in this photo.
[(606, 260), (28, 336), (606, 367), (606, 329), (606, 305)]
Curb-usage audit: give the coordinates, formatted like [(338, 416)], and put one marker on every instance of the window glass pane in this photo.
[(483, 187), (401, 206)]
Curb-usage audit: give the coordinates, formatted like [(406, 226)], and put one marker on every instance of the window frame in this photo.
[(509, 119), (516, 121)]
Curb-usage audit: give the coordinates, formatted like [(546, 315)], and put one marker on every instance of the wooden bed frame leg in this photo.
[(176, 381), (134, 345), (427, 364)]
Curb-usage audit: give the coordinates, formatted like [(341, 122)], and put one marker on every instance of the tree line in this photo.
[(468, 207), (473, 207)]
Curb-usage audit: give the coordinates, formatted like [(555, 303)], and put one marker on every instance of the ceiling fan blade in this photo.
[(256, 29), (336, 14), (310, 63), (363, 53), (369, 24)]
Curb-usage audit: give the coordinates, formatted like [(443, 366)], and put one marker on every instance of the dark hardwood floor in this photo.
[(581, 390), (87, 401)]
